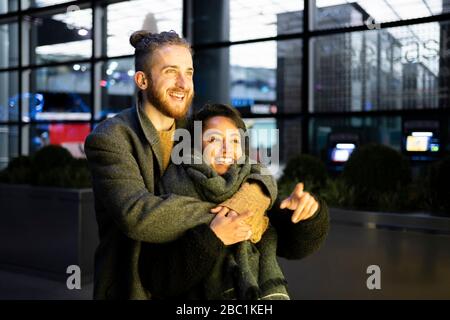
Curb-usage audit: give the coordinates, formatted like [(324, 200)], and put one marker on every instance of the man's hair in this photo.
[(145, 44)]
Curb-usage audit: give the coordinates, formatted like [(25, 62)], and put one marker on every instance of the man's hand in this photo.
[(222, 210), (230, 226), (302, 202)]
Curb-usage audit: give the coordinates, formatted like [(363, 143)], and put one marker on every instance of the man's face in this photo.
[(171, 88)]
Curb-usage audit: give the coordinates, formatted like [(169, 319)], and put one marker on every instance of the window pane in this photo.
[(41, 3), (236, 20), (126, 17), (326, 133), (8, 6), (9, 144), (264, 142), (289, 76), (256, 78), (72, 41), (341, 13), (396, 68), (9, 84), (290, 137), (447, 146), (9, 37), (253, 77), (68, 135), (116, 86), (58, 93), (267, 18)]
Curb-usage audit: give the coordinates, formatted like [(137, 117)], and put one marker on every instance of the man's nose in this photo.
[(181, 81)]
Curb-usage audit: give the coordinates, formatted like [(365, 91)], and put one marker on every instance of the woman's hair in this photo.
[(209, 111), (145, 43), (219, 110)]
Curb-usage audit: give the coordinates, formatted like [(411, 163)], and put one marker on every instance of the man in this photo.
[(128, 154)]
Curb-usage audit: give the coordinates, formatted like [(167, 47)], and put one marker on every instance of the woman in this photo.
[(198, 265)]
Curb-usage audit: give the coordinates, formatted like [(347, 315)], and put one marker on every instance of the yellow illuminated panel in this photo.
[(415, 144)]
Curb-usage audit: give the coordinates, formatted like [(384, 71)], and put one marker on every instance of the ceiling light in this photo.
[(83, 32)]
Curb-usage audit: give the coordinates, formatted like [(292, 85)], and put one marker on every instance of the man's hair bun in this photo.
[(137, 37)]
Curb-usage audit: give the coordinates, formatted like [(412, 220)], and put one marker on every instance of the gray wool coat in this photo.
[(124, 156)]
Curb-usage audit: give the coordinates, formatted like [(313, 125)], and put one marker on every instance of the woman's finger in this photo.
[(303, 202), (307, 210), (298, 190), (285, 203)]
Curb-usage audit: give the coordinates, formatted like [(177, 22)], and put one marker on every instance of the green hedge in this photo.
[(378, 177), (375, 178), (436, 186), (303, 168), (51, 166)]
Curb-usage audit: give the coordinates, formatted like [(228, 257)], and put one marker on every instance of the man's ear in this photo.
[(141, 80)]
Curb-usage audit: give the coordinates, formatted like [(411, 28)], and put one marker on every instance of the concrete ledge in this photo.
[(410, 221)]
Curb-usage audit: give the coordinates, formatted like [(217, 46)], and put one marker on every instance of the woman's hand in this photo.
[(302, 202)]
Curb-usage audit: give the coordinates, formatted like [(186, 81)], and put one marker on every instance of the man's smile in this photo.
[(177, 95)]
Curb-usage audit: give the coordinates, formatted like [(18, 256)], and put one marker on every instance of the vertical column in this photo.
[(444, 76), (4, 147), (27, 40), (211, 23), (444, 61), (99, 25)]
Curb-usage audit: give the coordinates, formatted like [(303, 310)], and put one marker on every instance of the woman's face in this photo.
[(221, 143)]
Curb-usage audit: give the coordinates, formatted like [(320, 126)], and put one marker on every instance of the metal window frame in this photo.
[(306, 36)]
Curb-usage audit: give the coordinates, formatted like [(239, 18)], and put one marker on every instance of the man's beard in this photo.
[(163, 106)]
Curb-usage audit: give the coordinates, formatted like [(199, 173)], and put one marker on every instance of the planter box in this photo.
[(412, 251), (47, 229)]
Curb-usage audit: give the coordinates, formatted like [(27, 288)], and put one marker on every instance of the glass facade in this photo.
[(124, 18), (59, 93), (9, 6), (386, 69), (367, 66), (57, 37), (9, 96), (26, 4), (9, 53), (116, 86), (329, 14)]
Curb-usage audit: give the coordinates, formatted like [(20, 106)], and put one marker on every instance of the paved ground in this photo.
[(20, 285), (414, 265)]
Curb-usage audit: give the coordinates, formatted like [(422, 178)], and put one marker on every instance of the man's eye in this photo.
[(236, 141), (171, 71)]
